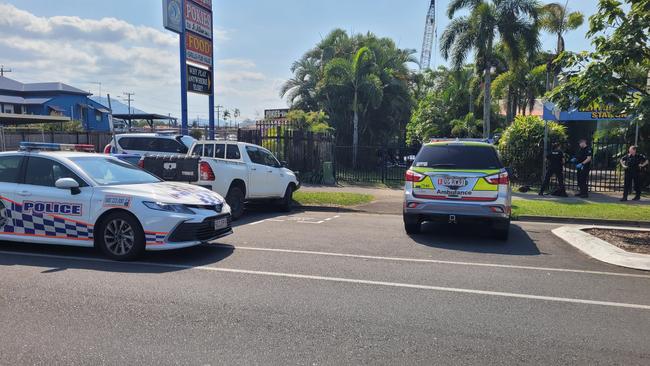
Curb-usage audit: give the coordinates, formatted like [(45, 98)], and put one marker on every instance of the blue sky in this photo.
[(256, 43)]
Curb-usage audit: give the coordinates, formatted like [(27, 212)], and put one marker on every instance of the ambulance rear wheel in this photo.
[(120, 237), (412, 224)]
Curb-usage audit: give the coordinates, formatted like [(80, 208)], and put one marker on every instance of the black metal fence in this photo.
[(375, 164), (605, 176), (305, 152)]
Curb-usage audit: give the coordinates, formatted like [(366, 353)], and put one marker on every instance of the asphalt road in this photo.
[(324, 288)]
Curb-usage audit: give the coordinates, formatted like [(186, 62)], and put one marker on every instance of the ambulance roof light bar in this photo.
[(447, 139), (44, 146)]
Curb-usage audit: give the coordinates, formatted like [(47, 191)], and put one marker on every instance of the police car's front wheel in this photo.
[(120, 237)]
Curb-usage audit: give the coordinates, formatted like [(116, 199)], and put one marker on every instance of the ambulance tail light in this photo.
[(141, 163), (412, 176), (498, 179), (108, 149), (206, 172)]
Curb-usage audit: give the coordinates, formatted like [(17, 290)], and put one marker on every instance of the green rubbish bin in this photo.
[(328, 173)]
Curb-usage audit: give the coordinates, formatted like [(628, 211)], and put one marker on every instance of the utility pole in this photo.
[(218, 108), (99, 83), (129, 99), (3, 70)]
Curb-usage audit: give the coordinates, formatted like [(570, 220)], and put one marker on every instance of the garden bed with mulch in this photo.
[(628, 240)]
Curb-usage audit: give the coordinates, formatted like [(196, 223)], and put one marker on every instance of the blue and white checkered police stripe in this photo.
[(205, 196), (155, 238), (43, 225)]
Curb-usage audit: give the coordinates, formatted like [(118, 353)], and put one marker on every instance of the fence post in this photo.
[(2, 138)]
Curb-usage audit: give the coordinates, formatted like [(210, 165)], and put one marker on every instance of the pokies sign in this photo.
[(198, 19)]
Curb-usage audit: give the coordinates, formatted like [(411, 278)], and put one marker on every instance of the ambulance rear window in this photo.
[(458, 157)]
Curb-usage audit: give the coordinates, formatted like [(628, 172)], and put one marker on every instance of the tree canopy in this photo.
[(358, 75)]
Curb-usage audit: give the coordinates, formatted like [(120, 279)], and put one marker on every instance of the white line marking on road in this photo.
[(349, 280), (434, 261), (255, 223)]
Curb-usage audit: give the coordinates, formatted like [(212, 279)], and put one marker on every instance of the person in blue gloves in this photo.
[(583, 164)]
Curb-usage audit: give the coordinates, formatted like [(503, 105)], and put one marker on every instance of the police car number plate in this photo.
[(220, 223), (454, 182)]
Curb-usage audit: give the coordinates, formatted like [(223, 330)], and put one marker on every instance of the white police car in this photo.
[(58, 194)]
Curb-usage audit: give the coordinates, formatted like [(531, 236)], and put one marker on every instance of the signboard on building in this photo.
[(276, 113), (198, 49), (593, 113), (198, 19), (199, 80), (172, 18)]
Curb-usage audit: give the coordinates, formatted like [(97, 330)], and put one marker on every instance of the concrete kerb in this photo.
[(601, 250)]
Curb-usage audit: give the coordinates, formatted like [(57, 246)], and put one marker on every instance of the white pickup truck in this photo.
[(244, 172)]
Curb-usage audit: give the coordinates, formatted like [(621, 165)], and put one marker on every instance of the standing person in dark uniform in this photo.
[(555, 167), (632, 163), (583, 164)]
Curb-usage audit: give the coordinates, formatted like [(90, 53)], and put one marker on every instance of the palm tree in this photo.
[(236, 114), (358, 77), (300, 89), (555, 18), (512, 21)]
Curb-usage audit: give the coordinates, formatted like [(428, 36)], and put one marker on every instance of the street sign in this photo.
[(198, 49), (172, 18), (198, 19), (275, 113), (199, 80)]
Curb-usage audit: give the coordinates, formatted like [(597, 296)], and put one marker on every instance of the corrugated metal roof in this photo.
[(15, 86), (10, 99)]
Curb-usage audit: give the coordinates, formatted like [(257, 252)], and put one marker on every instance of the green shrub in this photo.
[(197, 133), (522, 147)]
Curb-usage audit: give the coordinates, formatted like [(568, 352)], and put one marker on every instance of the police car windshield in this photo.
[(112, 172), (458, 157)]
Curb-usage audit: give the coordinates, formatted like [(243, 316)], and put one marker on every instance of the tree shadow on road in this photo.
[(475, 238), (55, 258)]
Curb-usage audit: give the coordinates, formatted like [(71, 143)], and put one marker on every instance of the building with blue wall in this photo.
[(53, 99)]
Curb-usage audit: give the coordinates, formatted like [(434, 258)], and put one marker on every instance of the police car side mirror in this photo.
[(68, 183)]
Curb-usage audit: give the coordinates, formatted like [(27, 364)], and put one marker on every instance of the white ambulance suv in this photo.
[(457, 182)]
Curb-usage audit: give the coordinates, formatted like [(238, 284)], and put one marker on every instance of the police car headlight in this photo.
[(169, 207)]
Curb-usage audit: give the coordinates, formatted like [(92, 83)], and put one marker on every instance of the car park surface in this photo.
[(328, 288)]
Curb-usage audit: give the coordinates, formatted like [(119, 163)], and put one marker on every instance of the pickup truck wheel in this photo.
[(286, 203), (235, 199)]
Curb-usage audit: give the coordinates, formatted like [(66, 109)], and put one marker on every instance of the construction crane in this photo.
[(429, 37)]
